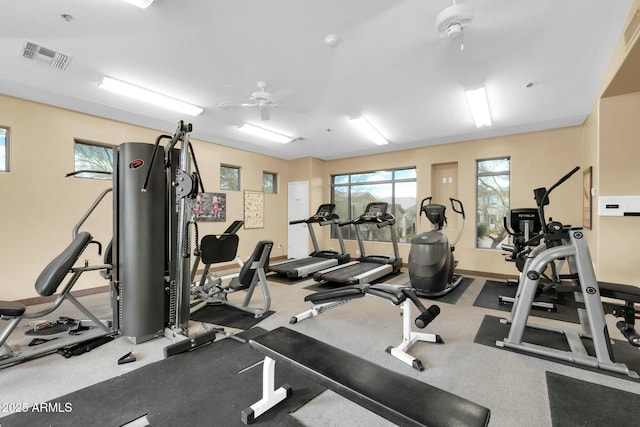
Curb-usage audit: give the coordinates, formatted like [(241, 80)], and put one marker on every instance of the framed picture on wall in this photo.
[(210, 207), (586, 197), (253, 209)]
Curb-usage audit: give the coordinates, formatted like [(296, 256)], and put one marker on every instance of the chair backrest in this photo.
[(215, 248), (258, 259), (54, 273)]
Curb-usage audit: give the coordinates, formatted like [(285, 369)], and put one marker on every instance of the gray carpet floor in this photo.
[(512, 385)]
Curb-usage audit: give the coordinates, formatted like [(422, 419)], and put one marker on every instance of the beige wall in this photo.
[(618, 237), (612, 148), (40, 206)]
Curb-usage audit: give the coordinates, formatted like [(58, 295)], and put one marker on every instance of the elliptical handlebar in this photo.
[(545, 198), (458, 203), (422, 205)]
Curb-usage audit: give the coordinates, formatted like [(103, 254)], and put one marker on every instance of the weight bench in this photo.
[(398, 398), (47, 284), (399, 295)]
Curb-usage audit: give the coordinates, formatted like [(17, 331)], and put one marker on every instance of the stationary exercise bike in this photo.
[(431, 260)]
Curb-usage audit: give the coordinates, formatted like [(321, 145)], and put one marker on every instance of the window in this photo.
[(492, 202), (4, 149), (95, 158), (351, 193), (269, 182), (229, 178)]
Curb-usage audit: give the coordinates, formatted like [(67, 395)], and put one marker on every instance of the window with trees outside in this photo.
[(352, 192), (94, 158), (269, 182), (492, 202), (229, 178), (4, 150)]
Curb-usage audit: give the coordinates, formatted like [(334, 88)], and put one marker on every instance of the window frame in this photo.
[(479, 175), (274, 182), (349, 233), (99, 177), (6, 167), (238, 169)]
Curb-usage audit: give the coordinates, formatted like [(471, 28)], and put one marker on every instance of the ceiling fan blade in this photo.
[(264, 113), (230, 106)]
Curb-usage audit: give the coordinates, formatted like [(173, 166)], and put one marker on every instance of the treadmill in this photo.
[(367, 268), (318, 259)]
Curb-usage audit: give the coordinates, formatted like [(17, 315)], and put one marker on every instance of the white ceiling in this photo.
[(389, 64)]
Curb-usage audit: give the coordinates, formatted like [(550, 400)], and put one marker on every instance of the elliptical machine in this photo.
[(431, 260)]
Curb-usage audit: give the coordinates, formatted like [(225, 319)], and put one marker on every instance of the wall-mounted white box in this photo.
[(619, 206)]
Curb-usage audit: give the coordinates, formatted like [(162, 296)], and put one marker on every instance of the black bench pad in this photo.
[(339, 294), (400, 399), (619, 291), (12, 309)]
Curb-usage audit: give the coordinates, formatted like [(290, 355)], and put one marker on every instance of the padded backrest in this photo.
[(258, 259), (215, 248), (55, 272)]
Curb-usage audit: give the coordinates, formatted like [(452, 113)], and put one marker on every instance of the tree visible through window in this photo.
[(352, 192), (4, 149), (269, 182), (493, 201), (229, 178), (93, 158)]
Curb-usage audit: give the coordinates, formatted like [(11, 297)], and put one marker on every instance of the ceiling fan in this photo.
[(260, 98), (452, 21)]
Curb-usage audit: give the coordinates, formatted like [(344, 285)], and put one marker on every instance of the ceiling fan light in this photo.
[(264, 133), (477, 99), (146, 95), (369, 130), (142, 4)]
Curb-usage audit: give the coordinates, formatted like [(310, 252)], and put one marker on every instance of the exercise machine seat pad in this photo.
[(343, 293), (55, 272), (399, 398), (394, 293), (218, 248), (12, 309)]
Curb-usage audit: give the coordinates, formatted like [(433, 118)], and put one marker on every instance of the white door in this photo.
[(298, 246)]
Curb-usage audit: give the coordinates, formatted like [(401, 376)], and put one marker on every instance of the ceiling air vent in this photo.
[(300, 139), (632, 28), (55, 59)]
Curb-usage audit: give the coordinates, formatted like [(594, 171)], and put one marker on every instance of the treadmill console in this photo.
[(376, 210), (324, 212)]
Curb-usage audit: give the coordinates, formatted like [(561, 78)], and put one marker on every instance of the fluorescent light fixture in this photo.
[(264, 133), (368, 130), (477, 99), (142, 4), (146, 95)]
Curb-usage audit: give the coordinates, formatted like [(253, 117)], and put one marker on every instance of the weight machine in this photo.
[(151, 236)]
